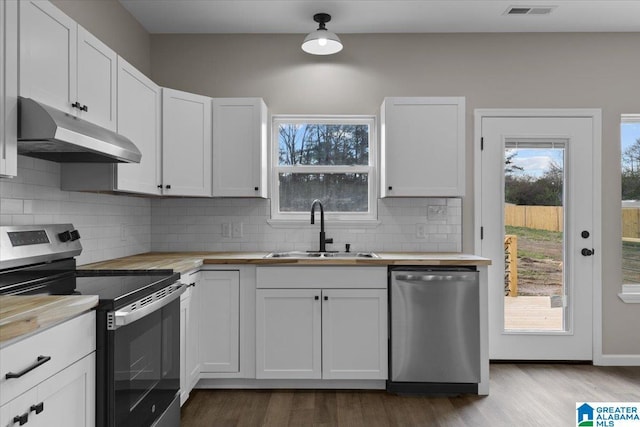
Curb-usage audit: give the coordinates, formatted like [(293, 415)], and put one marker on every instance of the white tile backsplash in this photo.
[(189, 224), (34, 197), (196, 225)]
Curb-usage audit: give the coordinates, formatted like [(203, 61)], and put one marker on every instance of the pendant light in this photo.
[(322, 41)]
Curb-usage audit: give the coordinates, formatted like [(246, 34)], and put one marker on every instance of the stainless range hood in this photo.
[(50, 134)]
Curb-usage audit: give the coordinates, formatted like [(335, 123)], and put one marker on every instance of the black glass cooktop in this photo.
[(116, 288)]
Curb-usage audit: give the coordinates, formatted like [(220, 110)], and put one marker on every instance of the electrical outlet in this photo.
[(236, 230), (421, 231), (226, 229)]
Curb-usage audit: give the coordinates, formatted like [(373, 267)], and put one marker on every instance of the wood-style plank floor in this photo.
[(521, 395)]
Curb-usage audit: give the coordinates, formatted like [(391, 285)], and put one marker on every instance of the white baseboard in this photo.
[(617, 360)]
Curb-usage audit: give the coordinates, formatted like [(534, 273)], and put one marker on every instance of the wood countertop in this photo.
[(22, 315), (183, 262)]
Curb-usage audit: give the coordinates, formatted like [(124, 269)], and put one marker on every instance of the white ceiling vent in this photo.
[(526, 10)]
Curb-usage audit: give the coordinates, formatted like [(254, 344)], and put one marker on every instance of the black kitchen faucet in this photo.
[(323, 240)]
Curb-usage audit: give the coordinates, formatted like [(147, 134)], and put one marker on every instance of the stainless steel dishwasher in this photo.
[(434, 330)]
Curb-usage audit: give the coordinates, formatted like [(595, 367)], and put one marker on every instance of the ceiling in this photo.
[(383, 16)]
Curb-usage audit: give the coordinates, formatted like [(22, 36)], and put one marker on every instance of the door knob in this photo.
[(587, 252)]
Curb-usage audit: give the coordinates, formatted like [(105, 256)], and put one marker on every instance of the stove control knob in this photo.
[(75, 235), (65, 236)]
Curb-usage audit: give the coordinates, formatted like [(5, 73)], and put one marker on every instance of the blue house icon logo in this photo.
[(585, 415)]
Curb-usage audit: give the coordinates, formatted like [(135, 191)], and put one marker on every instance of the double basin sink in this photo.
[(320, 255)]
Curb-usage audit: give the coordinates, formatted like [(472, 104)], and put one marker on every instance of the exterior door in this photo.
[(536, 217)]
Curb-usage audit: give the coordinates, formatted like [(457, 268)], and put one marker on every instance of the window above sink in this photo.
[(330, 158)]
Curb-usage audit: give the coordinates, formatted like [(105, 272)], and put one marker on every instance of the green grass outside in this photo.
[(631, 262), (534, 234)]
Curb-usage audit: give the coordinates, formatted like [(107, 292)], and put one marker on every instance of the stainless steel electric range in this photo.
[(138, 321)]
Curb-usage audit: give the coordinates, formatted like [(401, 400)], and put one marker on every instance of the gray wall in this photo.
[(109, 21), (570, 70)]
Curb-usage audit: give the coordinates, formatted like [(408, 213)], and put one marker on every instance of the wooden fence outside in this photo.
[(551, 218), (539, 217)]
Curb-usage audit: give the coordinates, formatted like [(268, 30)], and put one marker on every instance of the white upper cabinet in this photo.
[(63, 66), (239, 147), (8, 87), (97, 71), (186, 144), (139, 119), (422, 147)]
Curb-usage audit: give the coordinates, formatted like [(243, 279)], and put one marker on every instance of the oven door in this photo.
[(145, 367)]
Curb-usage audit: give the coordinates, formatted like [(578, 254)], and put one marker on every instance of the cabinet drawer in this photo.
[(312, 277), (64, 344)]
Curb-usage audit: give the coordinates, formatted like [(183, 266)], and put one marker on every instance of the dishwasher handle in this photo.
[(441, 277)]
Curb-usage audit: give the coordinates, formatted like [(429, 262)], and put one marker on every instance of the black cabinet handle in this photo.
[(37, 408), (256, 188), (168, 186), (21, 419), (77, 105), (316, 298), (587, 252), (390, 188), (160, 186), (326, 298), (41, 361), (84, 108), (191, 285)]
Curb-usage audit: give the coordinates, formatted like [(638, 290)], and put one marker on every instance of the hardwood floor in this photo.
[(521, 395)]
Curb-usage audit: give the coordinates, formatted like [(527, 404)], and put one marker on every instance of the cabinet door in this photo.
[(185, 302), (186, 144), (192, 350), (68, 398), (139, 119), (219, 299), (8, 88), (239, 147), (354, 334), (423, 147), (288, 333), (48, 40), (19, 408), (97, 70)]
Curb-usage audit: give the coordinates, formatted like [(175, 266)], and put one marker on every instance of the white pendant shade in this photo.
[(322, 42)]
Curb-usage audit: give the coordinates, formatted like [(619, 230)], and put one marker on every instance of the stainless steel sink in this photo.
[(342, 255)]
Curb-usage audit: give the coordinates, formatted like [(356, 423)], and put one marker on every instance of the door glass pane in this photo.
[(534, 279)]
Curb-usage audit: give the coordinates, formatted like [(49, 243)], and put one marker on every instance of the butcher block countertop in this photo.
[(22, 315), (183, 262)]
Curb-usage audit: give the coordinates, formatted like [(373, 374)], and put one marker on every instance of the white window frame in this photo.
[(370, 169)]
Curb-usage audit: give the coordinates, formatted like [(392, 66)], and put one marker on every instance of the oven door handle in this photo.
[(129, 314)]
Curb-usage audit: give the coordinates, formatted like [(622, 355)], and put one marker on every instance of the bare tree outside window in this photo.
[(328, 160)]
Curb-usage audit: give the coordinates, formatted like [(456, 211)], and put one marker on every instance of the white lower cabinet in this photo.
[(354, 334), (189, 357), (288, 333), (321, 333), (218, 297), (59, 391), (64, 400)]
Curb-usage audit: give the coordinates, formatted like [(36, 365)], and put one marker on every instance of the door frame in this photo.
[(596, 115)]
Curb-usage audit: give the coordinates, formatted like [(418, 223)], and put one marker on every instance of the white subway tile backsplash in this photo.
[(34, 197), (188, 224)]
